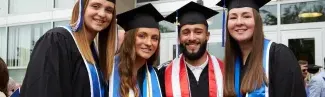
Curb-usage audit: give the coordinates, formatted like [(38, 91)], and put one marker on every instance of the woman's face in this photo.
[(146, 42), (241, 23), (98, 15)]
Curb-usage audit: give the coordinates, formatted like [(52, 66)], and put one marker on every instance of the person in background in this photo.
[(304, 70), (317, 82), (303, 66)]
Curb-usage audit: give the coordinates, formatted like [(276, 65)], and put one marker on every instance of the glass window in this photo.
[(269, 15), (22, 40), (303, 12), (216, 49), (3, 43), (17, 74), (3, 7), (215, 22), (29, 6), (304, 49), (64, 3), (166, 27), (140, 1), (174, 51), (61, 23)]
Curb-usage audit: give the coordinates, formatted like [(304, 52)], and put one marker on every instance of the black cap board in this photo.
[(230, 4), (145, 16), (191, 13)]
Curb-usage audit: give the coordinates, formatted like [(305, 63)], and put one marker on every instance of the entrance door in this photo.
[(305, 44)]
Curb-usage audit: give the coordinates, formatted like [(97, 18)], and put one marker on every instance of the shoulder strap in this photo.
[(67, 28)]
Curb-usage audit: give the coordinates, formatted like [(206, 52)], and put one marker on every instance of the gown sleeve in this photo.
[(285, 76), (46, 74)]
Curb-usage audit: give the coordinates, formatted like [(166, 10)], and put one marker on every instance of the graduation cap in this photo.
[(312, 68), (230, 4), (191, 13), (80, 17), (144, 16)]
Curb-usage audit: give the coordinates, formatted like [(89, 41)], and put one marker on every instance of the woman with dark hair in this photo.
[(255, 66), (69, 61), (4, 78), (133, 72)]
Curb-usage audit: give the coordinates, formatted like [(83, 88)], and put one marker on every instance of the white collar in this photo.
[(202, 66)]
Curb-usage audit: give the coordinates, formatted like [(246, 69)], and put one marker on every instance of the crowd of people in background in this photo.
[(314, 78)]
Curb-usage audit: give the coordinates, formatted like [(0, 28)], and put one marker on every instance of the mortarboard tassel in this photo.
[(223, 23), (80, 17), (176, 30)]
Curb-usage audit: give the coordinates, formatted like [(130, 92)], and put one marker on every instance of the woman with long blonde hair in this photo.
[(69, 61), (255, 66), (133, 74)]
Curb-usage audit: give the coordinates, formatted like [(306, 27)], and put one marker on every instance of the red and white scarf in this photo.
[(177, 82)]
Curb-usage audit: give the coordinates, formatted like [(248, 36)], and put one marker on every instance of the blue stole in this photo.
[(150, 83), (16, 93), (263, 90), (97, 86)]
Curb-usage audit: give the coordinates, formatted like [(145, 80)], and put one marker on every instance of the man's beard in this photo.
[(196, 55)]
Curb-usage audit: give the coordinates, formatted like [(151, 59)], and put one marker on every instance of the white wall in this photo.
[(323, 49), (3, 7), (64, 4), (29, 6)]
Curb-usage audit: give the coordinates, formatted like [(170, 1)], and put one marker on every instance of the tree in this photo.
[(291, 12), (269, 18)]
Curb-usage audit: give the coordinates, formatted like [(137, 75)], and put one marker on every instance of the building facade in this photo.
[(22, 22), (299, 24)]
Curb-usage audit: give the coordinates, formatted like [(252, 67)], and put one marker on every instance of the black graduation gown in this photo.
[(198, 88), (56, 68), (284, 73)]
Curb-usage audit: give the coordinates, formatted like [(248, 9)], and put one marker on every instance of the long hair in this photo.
[(254, 75), (128, 56), (106, 41), (4, 77)]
